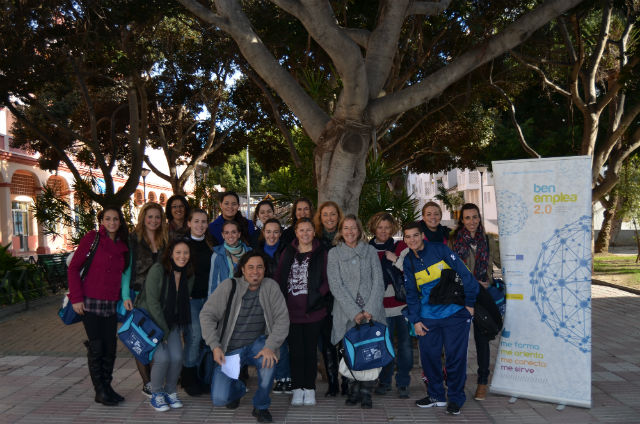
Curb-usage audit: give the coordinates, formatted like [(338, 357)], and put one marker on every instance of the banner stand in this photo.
[(545, 227)]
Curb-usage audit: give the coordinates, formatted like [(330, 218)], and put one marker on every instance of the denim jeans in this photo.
[(167, 363), (399, 327), (193, 334), (225, 390), (283, 370)]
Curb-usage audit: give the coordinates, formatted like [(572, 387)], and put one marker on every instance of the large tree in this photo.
[(375, 68), (75, 75)]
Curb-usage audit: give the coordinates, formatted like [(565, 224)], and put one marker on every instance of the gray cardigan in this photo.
[(353, 270), (276, 315)]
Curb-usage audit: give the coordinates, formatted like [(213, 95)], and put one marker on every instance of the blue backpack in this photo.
[(368, 346)]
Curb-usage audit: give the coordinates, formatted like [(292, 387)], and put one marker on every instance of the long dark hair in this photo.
[(245, 258), (466, 207), (123, 232), (295, 205), (243, 223), (259, 205), (166, 256), (187, 208)]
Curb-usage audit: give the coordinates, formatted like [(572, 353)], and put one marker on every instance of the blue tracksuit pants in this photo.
[(451, 332)]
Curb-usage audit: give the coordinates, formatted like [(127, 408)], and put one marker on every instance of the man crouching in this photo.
[(256, 324)]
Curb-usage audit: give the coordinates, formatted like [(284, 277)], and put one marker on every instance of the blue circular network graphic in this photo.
[(558, 281), (513, 212)]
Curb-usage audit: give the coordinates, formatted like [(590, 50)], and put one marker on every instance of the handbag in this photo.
[(121, 311), (397, 280), (449, 289), (66, 312), (368, 346), (486, 317), (140, 335)]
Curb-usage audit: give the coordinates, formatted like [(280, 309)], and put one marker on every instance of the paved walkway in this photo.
[(44, 379)]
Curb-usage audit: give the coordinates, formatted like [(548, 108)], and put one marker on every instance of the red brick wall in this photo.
[(22, 183)]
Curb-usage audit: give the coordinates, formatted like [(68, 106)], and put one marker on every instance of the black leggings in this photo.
[(303, 351), (101, 328)]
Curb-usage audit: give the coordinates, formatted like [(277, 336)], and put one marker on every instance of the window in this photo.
[(21, 224)]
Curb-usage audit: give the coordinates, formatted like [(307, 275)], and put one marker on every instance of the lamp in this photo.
[(144, 174)]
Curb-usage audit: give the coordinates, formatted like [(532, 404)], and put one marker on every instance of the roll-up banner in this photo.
[(544, 222)]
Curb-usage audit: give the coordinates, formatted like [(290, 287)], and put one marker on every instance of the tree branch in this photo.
[(543, 76), (277, 116), (429, 8), (512, 108), (438, 81), (237, 25), (359, 36), (596, 57), (383, 45)]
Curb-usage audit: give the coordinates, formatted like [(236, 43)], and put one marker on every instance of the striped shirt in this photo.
[(250, 323)]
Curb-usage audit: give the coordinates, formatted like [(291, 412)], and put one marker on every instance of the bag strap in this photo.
[(92, 252), (227, 311)]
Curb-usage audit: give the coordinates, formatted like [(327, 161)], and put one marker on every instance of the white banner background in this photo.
[(544, 221)]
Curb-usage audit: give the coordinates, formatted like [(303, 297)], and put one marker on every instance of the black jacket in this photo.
[(317, 274)]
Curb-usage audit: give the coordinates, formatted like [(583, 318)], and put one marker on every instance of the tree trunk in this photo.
[(340, 164), (602, 243)]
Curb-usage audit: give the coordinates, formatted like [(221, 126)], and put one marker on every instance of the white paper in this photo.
[(231, 366)]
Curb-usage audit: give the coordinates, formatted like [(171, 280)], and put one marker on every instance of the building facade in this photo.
[(21, 180)]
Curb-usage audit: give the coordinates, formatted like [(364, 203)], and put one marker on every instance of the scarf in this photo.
[(236, 251), (329, 236), (389, 245), (271, 250), (179, 296), (462, 246)]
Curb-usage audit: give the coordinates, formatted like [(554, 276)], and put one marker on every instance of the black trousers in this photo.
[(101, 328), (303, 354), (482, 354)]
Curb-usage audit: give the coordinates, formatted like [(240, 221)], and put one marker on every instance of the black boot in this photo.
[(365, 394), (330, 357), (354, 393), (190, 382), (108, 361), (344, 386), (94, 359)]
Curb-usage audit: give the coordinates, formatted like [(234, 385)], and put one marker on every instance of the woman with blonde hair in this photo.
[(326, 221), (355, 279), (146, 244)]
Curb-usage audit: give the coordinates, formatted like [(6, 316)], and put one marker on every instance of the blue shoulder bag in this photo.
[(140, 334), (368, 346)]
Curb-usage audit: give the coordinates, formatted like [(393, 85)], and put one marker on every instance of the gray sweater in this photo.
[(273, 304), (353, 270)]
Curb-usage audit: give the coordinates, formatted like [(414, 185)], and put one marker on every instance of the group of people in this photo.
[(275, 297)]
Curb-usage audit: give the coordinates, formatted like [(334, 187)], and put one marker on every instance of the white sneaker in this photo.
[(309, 397), (298, 397)]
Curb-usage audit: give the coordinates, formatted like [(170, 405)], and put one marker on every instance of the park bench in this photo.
[(54, 267)]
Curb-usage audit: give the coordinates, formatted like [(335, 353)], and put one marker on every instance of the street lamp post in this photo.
[(482, 170), (144, 174)]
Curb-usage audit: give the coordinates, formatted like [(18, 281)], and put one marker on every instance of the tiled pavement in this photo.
[(43, 379)]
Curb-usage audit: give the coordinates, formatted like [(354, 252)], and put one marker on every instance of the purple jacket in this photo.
[(105, 274)]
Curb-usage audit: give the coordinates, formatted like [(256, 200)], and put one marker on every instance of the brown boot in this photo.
[(481, 392)]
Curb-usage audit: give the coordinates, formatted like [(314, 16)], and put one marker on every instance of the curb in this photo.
[(615, 286)]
